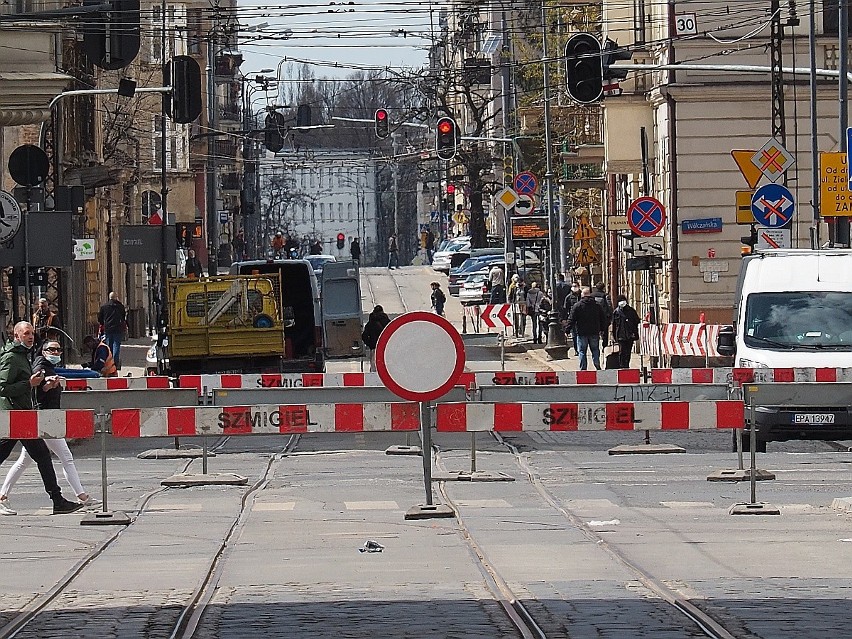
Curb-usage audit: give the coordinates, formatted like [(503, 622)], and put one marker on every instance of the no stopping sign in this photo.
[(419, 356)]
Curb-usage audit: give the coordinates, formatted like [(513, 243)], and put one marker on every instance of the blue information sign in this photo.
[(772, 206)]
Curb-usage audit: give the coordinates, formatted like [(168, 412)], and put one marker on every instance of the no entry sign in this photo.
[(420, 356)]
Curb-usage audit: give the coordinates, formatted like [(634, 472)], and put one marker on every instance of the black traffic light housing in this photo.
[(341, 240), (273, 138), (382, 119), (184, 76), (111, 37), (611, 54), (446, 138), (303, 115), (750, 240), (186, 232), (584, 70)]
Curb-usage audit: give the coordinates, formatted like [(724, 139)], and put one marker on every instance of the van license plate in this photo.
[(813, 418)]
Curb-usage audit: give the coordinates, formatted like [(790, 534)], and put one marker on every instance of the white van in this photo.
[(793, 310)]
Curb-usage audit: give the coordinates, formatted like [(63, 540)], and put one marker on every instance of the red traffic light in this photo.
[(382, 121), (451, 188), (445, 127), (446, 138), (381, 114), (340, 237)]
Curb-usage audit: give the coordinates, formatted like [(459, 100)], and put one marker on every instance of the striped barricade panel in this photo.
[(691, 375), (553, 378), (278, 380), (786, 375), (265, 419), (571, 416), (118, 383), (47, 424)]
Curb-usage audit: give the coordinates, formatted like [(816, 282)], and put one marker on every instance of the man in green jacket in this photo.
[(17, 383)]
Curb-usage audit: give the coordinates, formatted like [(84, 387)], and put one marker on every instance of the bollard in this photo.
[(426, 436), (104, 517), (753, 507), (472, 453), (501, 338)]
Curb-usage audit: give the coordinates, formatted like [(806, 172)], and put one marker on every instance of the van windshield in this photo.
[(799, 320)]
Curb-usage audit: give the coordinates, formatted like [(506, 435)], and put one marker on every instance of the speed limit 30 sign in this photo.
[(685, 24)]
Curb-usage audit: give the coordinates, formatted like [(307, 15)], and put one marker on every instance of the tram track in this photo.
[(26, 621)]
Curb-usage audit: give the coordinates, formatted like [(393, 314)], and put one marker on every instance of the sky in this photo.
[(335, 38)]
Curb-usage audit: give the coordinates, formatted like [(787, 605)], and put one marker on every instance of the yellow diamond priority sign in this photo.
[(507, 198)]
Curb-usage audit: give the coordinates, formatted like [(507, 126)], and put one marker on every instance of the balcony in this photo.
[(227, 66), (582, 176), (226, 152)]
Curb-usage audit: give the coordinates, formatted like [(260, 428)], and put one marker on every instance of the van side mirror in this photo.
[(726, 342)]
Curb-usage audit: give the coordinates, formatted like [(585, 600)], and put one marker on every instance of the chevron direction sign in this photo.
[(497, 315)]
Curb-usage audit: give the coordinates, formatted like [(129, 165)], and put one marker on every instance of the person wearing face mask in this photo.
[(17, 381), (48, 395), (625, 329)]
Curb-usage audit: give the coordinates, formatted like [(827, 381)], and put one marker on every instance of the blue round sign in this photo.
[(646, 216), (526, 183), (772, 205)]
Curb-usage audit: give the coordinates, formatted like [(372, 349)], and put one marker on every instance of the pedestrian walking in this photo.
[(587, 321), (430, 245), (517, 296), (48, 395), (355, 251), (278, 245), (625, 329), (561, 292), (600, 296), (193, 265), (372, 330), (113, 324), (17, 382), (45, 322), (534, 299), (438, 298), (572, 298), (498, 294), (239, 246), (496, 276), (393, 252)]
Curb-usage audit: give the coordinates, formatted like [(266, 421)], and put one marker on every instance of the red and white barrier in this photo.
[(551, 378), (277, 380), (492, 416), (678, 339), (118, 383), (787, 375), (265, 419), (690, 375), (47, 424)]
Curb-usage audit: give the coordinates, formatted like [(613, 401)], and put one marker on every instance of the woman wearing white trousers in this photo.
[(48, 395)]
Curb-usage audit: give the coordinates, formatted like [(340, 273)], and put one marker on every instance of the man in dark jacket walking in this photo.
[(17, 382), (587, 321), (372, 329), (600, 296), (625, 330), (113, 319)]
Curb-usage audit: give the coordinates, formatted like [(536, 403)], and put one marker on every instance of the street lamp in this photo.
[(251, 190)]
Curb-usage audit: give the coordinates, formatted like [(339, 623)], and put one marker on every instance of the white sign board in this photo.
[(774, 238), (84, 249), (645, 246)]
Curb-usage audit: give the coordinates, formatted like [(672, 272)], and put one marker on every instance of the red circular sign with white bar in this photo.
[(420, 356)]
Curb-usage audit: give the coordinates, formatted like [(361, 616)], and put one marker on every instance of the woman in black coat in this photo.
[(625, 329)]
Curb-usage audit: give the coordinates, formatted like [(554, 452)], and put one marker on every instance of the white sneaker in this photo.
[(90, 501), (5, 509)]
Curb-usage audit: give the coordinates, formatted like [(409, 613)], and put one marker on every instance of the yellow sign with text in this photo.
[(835, 198)]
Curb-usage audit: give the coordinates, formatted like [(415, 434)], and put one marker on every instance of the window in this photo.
[(349, 211), (799, 320), (322, 212), (831, 17)]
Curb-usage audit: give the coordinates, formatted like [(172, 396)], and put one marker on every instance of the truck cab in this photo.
[(794, 310)]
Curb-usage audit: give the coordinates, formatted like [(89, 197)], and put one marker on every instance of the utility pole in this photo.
[(555, 335), (395, 173), (841, 223), (212, 191)]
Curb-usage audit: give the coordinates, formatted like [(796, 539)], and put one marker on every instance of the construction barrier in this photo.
[(265, 419), (290, 380), (117, 383), (697, 340), (47, 424), (504, 417)]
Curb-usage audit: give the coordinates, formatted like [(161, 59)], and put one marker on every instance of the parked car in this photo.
[(469, 267), (317, 262), (441, 259), (475, 290)]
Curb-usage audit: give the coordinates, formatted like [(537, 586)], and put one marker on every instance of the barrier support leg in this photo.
[(187, 480), (645, 448), (105, 517), (753, 507), (428, 510)]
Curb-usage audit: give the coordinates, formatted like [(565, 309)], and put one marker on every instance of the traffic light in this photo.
[(446, 138), (612, 53), (749, 241), (303, 115), (187, 232), (111, 37), (184, 77), (584, 68), (382, 124), (341, 241), (273, 140)]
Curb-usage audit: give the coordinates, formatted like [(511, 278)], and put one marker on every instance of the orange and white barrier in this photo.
[(47, 424), (503, 417), (265, 419), (117, 383)]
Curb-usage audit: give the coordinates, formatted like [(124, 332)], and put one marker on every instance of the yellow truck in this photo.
[(227, 323)]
